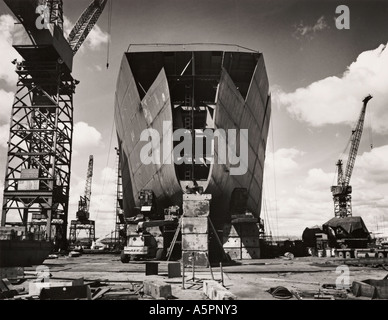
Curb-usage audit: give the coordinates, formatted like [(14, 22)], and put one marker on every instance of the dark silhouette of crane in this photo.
[(37, 179), (84, 202), (342, 191), (83, 221)]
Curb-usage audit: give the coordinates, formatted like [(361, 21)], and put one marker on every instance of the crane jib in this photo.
[(342, 191), (356, 138)]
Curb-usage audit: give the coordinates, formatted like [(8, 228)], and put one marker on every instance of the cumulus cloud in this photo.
[(317, 179), (338, 100), (372, 166), (7, 74), (86, 136), (109, 175), (305, 200), (303, 31), (67, 26), (6, 99), (95, 39), (283, 160), (103, 198), (7, 53), (4, 135)]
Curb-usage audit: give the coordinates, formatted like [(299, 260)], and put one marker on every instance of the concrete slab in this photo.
[(215, 291), (35, 288), (157, 289)]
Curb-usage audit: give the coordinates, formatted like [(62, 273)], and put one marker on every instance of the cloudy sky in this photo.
[(318, 75)]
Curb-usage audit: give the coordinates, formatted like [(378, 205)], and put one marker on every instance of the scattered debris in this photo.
[(66, 293), (215, 291), (288, 256), (7, 290), (322, 296), (373, 289), (281, 293), (157, 289), (329, 286), (99, 293), (36, 287), (74, 254), (292, 281)]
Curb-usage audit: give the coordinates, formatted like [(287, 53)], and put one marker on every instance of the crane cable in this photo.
[(266, 208), (106, 166), (274, 176), (110, 9)]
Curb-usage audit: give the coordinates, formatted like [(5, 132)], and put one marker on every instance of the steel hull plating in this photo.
[(229, 90)]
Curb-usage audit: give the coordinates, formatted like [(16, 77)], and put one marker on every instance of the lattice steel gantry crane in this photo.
[(37, 179), (342, 191), (83, 222)]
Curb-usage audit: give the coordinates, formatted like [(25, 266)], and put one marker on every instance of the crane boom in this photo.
[(84, 202), (85, 24), (342, 191), (356, 138), (88, 186)]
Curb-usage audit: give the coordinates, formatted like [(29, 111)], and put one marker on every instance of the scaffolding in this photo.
[(120, 229), (89, 227)]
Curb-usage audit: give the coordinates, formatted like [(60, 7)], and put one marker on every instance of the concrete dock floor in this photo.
[(247, 280)]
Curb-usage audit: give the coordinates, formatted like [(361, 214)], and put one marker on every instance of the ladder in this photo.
[(178, 230), (172, 245)]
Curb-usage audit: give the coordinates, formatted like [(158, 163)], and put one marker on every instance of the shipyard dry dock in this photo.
[(192, 125), (307, 278), (192, 88)]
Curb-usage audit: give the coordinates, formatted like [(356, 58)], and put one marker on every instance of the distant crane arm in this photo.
[(355, 143), (85, 24), (88, 186)]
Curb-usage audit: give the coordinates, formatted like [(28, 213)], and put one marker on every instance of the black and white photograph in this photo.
[(207, 151)]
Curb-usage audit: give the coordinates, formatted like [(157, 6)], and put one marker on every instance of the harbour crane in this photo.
[(83, 222), (342, 191), (84, 202), (37, 179)]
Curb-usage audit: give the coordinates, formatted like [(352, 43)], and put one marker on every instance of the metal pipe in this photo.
[(183, 275), (222, 275), (193, 266), (210, 266)]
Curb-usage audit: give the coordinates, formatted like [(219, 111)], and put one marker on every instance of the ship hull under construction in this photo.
[(194, 89)]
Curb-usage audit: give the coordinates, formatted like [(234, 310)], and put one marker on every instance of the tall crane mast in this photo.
[(37, 179), (83, 222), (342, 191), (84, 202)]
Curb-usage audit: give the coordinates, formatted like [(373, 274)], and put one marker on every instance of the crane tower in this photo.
[(37, 179), (83, 215), (342, 191)]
